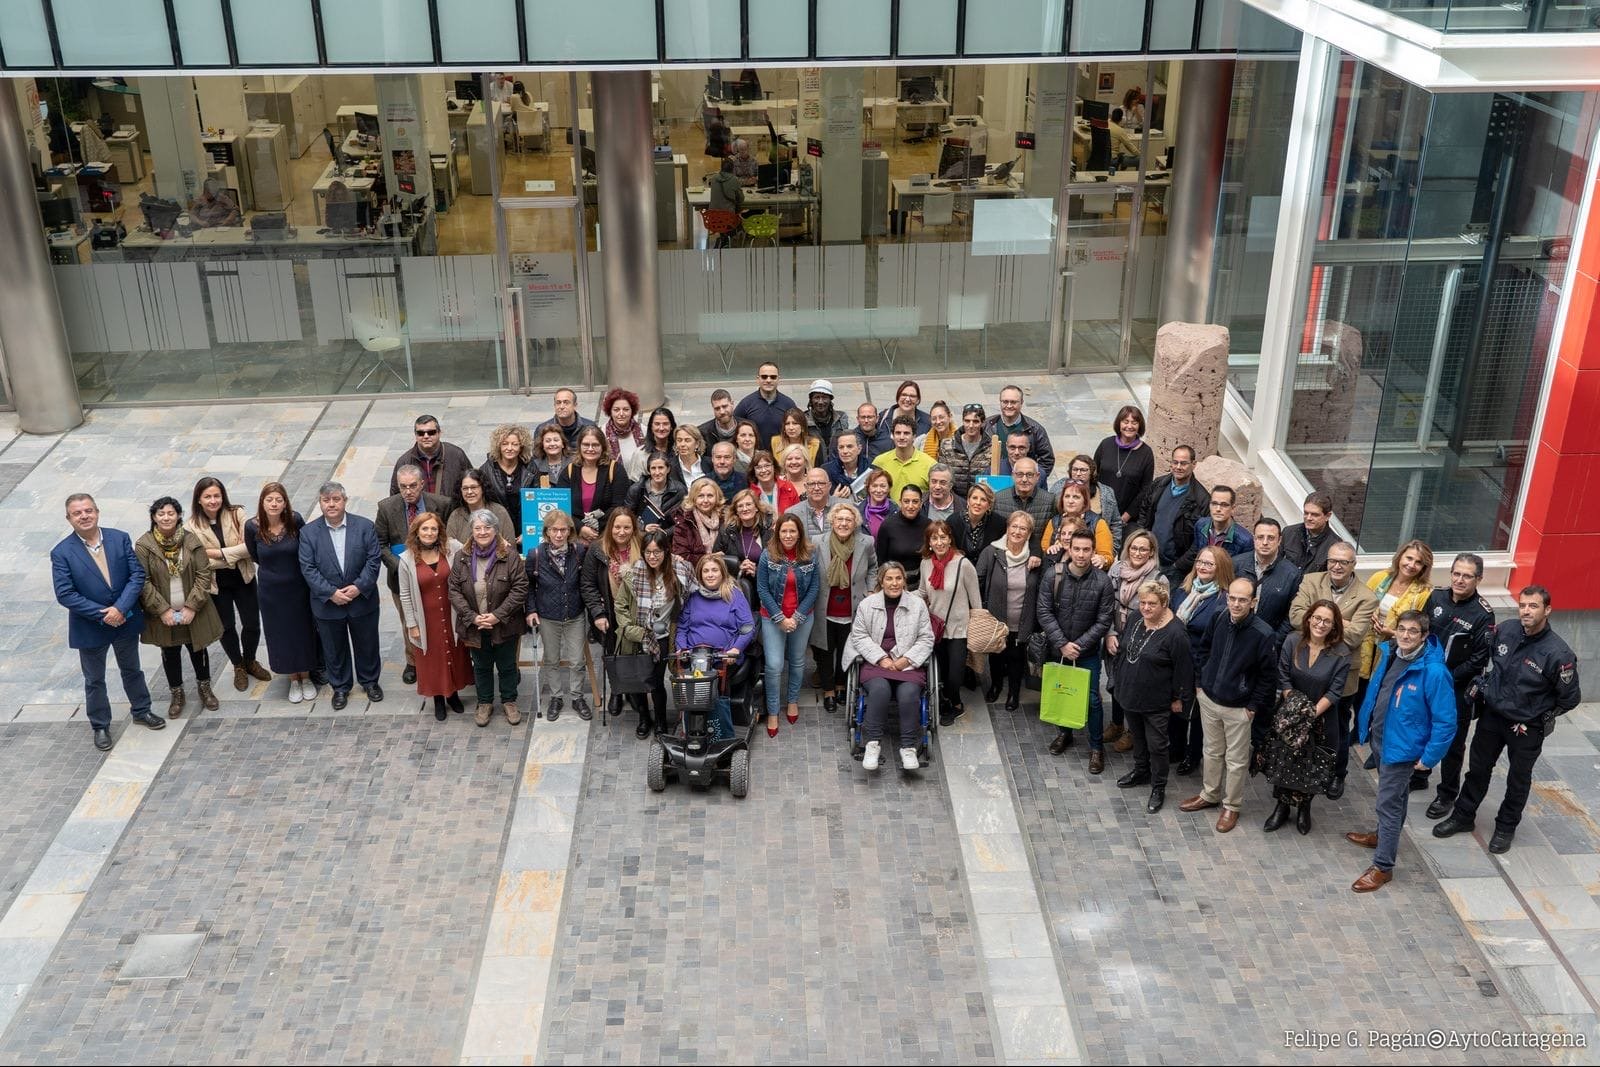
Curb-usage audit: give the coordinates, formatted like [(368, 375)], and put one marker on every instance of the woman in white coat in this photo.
[(893, 638)]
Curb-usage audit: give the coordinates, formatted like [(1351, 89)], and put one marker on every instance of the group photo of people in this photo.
[(925, 540)]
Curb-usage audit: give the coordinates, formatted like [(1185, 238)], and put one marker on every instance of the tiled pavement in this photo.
[(307, 854)]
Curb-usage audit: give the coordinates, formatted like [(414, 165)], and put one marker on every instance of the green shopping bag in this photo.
[(1064, 698)]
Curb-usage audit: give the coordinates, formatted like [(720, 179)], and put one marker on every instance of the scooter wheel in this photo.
[(739, 773), (655, 766)]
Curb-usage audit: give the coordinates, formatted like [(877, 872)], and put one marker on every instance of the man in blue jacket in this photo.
[(339, 559), (98, 580), (1408, 717)]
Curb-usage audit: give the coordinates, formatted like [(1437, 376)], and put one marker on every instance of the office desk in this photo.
[(904, 198), (67, 247), (730, 112), (789, 203), (916, 118), (98, 189), (761, 133), (353, 147), (1099, 197), (345, 118), (319, 189), (235, 242)]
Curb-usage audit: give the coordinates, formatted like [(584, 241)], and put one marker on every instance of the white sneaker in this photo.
[(872, 756), (908, 759), (308, 689), (295, 695)]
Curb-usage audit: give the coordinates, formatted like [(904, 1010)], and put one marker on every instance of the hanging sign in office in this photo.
[(813, 147), (1025, 139)]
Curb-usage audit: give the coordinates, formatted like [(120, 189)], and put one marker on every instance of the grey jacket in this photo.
[(913, 633), (958, 597), (411, 594), (726, 192), (863, 570)]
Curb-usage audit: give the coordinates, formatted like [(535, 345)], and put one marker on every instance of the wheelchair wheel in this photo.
[(932, 698), (852, 712), (739, 773), (655, 766)]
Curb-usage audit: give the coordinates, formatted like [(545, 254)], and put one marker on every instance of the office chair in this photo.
[(763, 227), (721, 225), (938, 209), (1099, 149), (378, 339), (528, 121)]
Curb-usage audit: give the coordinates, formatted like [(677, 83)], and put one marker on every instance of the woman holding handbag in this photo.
[(1155, 678), (1139, 564), (1312, 667), (949, 583), (605, 568), (647, 612), (1008, 577), (219, 525)]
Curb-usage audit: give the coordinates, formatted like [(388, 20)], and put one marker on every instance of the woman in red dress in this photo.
[(443, 666)]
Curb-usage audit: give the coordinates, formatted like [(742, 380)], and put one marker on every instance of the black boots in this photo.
[(1279, 816), (1302, 820)]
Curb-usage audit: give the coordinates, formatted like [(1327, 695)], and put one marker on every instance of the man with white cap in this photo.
[(824, 423)]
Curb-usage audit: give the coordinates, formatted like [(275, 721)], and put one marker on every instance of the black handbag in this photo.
[(1310, 771), (629, 674)]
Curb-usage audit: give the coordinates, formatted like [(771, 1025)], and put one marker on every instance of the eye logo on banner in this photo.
[(536, 504)]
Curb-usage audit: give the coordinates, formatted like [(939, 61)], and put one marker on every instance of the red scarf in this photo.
[(936, 573)]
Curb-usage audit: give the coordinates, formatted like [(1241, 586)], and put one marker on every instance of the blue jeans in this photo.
[(1097, 712), (93, 661), (785, 659), (721, 720), (1394, 785)]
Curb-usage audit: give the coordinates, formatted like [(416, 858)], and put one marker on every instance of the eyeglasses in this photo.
[(1341, 562), (428, 433), (767, 377)]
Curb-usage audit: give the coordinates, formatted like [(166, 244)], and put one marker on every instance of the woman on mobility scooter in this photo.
[(716, 614)]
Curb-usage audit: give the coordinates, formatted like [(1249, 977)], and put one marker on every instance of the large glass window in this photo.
[(1439, 262)]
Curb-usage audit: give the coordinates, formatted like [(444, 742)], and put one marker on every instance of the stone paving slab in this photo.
[(45, 768), (821, 919), (1184, 944), (340, 873)]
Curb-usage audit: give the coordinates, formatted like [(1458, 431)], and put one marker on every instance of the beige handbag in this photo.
[(986, 634)]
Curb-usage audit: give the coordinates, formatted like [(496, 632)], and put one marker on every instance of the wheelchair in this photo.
[(699, 676), (856, 701)]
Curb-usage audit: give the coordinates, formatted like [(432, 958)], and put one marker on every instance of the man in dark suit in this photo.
[(395, 515), (339, 558), (98, 580)]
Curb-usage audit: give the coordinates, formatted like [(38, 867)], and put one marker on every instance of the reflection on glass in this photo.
[(1430, 306)]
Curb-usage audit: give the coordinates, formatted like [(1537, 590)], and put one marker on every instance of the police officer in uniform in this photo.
[(1532, 677), (1464, 624)]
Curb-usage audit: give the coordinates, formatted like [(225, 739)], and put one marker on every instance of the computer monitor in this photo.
[(771, 177), (160, 215), (958, 161), (350, 215), (586, 155), (333, 148), (918, 90), (366, 125), (58, 214), (469, 89)]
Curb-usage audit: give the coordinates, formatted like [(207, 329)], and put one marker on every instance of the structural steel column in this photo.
[(32, 334), (626, 170), (1196, 189)]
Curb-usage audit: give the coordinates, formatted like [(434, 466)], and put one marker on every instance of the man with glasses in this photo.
[(1532, 678), (765, 406), (567, 419), (1408, 718), (1218, 527), (812, 510), (1463, 622), (1358, 605), (1023, 495), (1169, 509), (1238, 681), (441, 463), (1307, 543), (1011, 420), (972, 452)]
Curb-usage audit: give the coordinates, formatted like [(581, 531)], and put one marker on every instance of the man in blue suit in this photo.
[(98, 580), (339, 558)]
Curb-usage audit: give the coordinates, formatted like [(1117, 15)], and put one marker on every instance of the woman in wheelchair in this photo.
[(716, 614), (893, 638)]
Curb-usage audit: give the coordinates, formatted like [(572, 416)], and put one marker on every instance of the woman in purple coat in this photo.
[(716, 614)]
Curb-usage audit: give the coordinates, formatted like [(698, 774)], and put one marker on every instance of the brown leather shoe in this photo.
[(1227, 820), (1113, 733), (1097, 761), (1364, 840), (1371, 879), (1124, 743), (208, 696), (255, 670), (513, 716), (1197, 803), (241, 678)]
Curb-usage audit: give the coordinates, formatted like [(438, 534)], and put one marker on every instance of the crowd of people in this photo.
[(879, 545)]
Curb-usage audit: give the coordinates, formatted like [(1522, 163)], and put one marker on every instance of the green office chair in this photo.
[(763, 227)]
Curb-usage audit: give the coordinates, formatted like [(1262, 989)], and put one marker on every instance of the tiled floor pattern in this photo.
[(1186, 945), (341, 872), (822, 919)]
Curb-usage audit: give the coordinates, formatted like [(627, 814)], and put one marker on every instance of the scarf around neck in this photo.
[(171, 551), (839, 553), (874, 514), (1016, 560), (1199, 593), (936, 570)]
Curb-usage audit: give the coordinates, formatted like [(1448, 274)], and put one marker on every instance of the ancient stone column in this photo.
[(1186, 390)]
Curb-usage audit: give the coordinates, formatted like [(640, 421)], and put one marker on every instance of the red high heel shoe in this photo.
[(772, 730), (792, 713)]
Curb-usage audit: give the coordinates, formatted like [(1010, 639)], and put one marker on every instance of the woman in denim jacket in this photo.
[(786, 581)]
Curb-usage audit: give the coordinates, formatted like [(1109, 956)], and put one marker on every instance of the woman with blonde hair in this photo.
[(795, 432), (1155, 681), (747, 526), (1401, 587), (1140, 563), (507, 470), (699, 522)]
